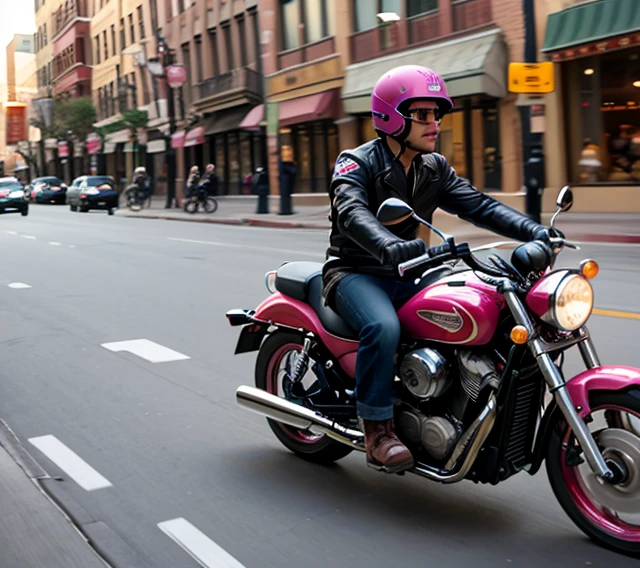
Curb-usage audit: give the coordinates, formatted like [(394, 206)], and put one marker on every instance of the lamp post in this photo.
[(175, 76), (44, 110)]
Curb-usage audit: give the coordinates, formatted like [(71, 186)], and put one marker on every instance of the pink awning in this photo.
[(194, 137), (177, 139), (295, 111)]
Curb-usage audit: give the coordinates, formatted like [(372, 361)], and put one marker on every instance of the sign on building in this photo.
[(531, 77), (15, 122)]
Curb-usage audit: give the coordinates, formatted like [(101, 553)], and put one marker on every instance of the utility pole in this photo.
[(532, 152)]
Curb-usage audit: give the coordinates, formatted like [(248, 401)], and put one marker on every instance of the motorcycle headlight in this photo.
[(270, 281), (572, 303), (17, 193)]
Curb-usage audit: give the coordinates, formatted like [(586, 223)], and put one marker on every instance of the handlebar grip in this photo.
[(409, 264)]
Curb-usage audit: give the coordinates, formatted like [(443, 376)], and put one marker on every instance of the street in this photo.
[(166, 441)]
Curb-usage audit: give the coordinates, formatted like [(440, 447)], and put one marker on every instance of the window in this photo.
[(199, 76), (290, 21), (132, 30), (140, 22), (315, 23), (106, 47), (186, 60), (180, 5), (49, 73), (134, 90), (113, 39), (44, 26), (256, 39), (214, 52), (243, 41), (123, 36), (228, 44), (365, 15), (97, 49), (417, 7)]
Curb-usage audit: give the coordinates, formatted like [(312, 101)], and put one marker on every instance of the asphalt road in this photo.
[(166, 441)]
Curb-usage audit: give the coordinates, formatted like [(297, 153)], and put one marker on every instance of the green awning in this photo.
[(589, 22), (470, 65)]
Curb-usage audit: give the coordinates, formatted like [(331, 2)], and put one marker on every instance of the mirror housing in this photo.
[(564, 200), (393, 210)]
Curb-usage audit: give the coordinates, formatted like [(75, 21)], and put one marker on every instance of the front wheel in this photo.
[(607, 513), (275, 364), (191, 206), (210, 204)]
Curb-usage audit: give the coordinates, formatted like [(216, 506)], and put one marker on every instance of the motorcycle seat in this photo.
[(303, 281)]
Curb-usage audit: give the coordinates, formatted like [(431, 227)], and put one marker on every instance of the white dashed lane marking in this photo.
[(149, 350), (18, 285), (319, 254), (199, 546), (55, 243), (30, 237), (70, 462)]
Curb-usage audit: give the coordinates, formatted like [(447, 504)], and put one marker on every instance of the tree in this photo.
[(75, 115)]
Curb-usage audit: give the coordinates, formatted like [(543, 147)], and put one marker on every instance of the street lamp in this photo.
[(175, 76), (44, 110)]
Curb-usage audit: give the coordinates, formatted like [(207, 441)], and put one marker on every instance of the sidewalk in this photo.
[(241, 210), (34, 533)]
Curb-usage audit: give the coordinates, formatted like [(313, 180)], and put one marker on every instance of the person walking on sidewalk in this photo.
[(360, 278)]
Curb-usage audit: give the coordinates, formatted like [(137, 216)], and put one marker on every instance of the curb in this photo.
[(244, 221), (623, 238)]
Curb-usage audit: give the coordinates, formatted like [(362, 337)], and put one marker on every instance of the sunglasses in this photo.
[(425, 115)]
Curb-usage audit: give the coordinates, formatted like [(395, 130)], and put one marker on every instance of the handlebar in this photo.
[(430, 260)]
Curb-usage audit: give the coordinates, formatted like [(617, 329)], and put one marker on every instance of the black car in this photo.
[(13, 197), (48, 189), (93, 192)]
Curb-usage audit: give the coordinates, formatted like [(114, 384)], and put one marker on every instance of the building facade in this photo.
[(219, 46), (593, 116)]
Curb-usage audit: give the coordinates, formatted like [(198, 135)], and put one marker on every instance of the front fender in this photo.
[(609, 377)]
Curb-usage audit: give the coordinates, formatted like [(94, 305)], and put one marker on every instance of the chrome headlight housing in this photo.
[(270, 281), (571, 303)]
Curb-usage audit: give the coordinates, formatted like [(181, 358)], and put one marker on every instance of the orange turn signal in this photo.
[(589, 269), (519, 335)]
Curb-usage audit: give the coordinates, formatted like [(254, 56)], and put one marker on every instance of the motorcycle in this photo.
[(483, 342)]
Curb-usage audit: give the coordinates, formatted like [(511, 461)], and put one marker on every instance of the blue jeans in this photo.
[(368, 304)]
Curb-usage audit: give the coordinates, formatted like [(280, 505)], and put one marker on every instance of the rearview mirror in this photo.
[(565, 199), (393, 210)]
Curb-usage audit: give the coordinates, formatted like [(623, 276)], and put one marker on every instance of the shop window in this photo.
[(221, 170), (604, 133), (245, 161), (451, 142)]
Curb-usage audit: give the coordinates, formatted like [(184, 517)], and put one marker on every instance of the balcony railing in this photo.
[(68, 11), (425, 27), (306, 53), (242, 78), (469, 14)]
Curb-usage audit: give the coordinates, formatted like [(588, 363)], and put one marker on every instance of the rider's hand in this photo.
[(441, 249), (401, 251), (545, 234)]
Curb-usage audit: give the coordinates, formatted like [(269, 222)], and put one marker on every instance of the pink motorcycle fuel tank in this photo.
[(459, 309)]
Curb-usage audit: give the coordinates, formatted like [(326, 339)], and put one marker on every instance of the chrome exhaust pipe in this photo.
[(286, 412)]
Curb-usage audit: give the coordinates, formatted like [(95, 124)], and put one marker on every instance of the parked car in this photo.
[(13, 197), (93, 192), (48, 189)]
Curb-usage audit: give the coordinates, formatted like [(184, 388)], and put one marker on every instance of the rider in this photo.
[(140, 181), (360, 279)]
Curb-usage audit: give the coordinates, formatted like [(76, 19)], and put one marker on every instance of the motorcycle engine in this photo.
[(424, 373), (435, 433)]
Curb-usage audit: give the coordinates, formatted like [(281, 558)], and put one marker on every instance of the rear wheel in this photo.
[(274, 366), (607, 513), (24, 212), (191, 206), (73, 207)]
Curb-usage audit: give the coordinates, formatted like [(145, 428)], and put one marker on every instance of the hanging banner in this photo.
[(16, 122)]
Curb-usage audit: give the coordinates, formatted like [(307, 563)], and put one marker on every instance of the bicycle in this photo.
[(136, 198), (208, 202)]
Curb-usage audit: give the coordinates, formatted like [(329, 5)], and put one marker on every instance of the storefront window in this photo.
[(451, 142), (220, 145), (245, 161), (605, 130)]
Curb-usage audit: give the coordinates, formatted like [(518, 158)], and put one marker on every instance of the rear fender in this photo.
[(279, 309), (607, 378)]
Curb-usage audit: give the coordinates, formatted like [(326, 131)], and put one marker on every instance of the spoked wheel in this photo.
[(275, 365), (211, 205), (608, 513), (191, 206)]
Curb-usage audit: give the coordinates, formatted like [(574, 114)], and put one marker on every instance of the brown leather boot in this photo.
[(385, 452)]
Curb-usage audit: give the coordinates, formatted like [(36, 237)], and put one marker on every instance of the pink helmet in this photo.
[(401, 85)]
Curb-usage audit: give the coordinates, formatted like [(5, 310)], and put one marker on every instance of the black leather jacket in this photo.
[(363, 178)]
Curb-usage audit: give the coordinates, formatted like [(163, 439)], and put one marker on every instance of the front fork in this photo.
[(557, 386)]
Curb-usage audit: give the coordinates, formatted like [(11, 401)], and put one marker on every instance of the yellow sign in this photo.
[(531, 77)]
